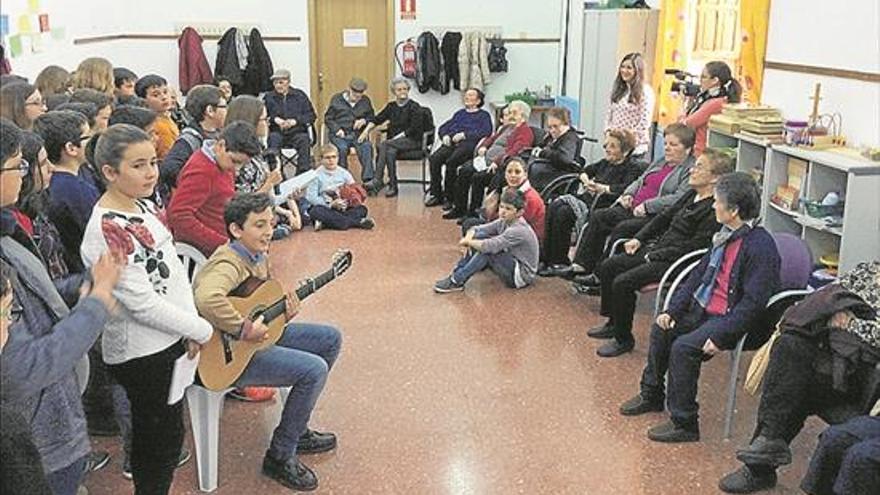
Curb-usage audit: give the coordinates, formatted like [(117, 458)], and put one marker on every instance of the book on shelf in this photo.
[(788, 195)]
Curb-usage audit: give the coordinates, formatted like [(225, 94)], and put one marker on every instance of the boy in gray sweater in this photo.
[(508, 246)]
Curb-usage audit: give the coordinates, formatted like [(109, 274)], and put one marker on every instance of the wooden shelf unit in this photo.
[(856, 179)]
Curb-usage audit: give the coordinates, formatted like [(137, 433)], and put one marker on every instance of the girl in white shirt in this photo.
[(632, 103), (157, 320)]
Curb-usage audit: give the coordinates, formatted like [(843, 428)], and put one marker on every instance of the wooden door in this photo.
[(338, 30)]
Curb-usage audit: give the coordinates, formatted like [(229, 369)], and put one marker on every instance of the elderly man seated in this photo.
[(347, 114), (290, 113)]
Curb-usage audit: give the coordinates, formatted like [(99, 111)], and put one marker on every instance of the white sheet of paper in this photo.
[(299, 182), (354, 38), (183, 376), (480, 163)]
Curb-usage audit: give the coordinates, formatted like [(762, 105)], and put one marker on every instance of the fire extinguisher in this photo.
[(405, 55)]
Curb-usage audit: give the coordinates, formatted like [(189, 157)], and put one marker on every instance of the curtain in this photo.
[(753, 15), (671, 53)]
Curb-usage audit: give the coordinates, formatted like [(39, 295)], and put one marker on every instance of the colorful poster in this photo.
[(44, 23), (4, 25), (33, 6), (15, 45)]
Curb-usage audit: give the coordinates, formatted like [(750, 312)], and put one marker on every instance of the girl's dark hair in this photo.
[(242, 205), (740, 191), (31, 144), (12, 103), (113, 143), (730, 87), (635, 88)]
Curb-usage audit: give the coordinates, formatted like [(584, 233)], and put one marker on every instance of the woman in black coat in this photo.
[(557, 155), (606, 179)]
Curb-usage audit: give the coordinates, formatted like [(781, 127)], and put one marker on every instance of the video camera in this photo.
[(685, 83)]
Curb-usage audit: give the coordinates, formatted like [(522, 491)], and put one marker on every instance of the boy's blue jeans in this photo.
[(501, 263), (301, 358)]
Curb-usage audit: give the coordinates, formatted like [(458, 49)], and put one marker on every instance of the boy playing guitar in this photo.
[(302, 356)]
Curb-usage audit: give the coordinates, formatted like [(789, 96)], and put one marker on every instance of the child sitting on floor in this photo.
[(328, 206), (508, 246)]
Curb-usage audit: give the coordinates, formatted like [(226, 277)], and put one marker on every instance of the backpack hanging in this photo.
[(497, 56)]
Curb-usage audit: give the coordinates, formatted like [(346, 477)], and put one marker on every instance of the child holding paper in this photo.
[(157, 321)]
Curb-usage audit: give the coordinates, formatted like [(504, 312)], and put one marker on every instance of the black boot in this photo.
[(290, 473), (748, 480)]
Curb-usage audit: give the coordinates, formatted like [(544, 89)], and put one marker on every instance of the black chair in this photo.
[(421, 154), (287, 157)]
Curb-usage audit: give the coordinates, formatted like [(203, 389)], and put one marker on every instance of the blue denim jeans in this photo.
[(364, 152), (301, 358), (501, 263)]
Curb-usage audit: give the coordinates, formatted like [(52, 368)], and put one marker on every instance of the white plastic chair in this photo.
[(205, 406)]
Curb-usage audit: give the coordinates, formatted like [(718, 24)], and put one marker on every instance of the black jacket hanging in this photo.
[(259, 65), (430, 63), (226, 66), (449, 51), (497, 56)]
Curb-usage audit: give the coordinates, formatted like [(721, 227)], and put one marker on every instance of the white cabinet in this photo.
[(856, 179), (608, 35)]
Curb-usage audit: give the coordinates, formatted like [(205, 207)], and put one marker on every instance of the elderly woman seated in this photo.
[(604, 180), (486, 170), (557, 153), (823, 362)]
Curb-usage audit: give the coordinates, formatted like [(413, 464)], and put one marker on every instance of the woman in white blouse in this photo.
[(632, 103)]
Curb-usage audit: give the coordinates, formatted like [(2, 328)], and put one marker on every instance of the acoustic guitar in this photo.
[(224, 358)]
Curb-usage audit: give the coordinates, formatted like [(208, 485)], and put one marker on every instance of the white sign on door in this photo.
[(354, 38)]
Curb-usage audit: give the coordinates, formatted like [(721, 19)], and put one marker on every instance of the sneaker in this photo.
[(578, 289), (253, 394), (669, 432), (453, 214), (447, 285), (392, 192), (313, 442), (746, 480), (181, 460), (433, 201), (366, 223), (96, 460), (638, 406), (291, 473)]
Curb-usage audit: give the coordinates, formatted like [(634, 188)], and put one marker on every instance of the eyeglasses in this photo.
[(22, 168), (85, 138), (220, 106), (13, 314)]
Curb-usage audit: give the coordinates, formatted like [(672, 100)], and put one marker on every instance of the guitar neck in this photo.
[(312, 285)]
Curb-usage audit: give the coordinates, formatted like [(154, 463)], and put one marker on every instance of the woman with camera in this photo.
[(717, 87), (632, 103)]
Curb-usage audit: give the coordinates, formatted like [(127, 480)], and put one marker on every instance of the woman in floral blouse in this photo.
[(632, 103)]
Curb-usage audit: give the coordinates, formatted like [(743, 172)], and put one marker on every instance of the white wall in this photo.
[(103, 17), (826, 34), (531, 65)]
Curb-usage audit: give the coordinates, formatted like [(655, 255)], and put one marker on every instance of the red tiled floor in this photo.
[(482, 392)]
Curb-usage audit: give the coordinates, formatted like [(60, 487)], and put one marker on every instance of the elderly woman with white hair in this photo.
[(405, 130)]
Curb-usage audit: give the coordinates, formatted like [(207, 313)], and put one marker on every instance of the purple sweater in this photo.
[(474, 125)]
